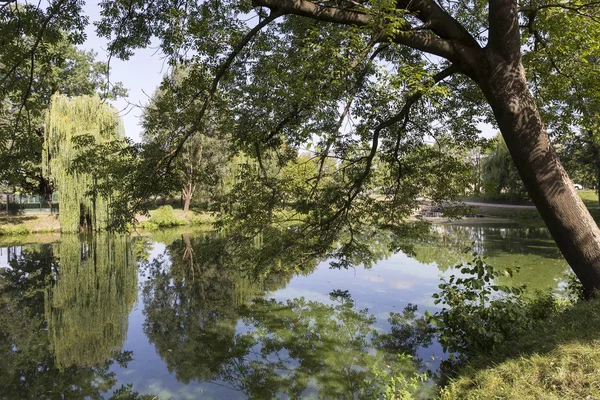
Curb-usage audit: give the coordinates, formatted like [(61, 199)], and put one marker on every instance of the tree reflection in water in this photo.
[(63, 315), (526, 249), (88, 306), (193, 305)]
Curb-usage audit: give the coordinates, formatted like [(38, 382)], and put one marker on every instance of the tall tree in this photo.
[(203, 158), (72, 126), (500, 177), (36, 63), (580, 154), (300, 72)]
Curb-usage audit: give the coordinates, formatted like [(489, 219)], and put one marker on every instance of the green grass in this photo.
[(589, 197), (509, 213), (560, 359), (14, 225)]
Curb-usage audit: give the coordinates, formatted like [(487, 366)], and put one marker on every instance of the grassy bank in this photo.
[(559, 359), (11, 225), (162, 217)]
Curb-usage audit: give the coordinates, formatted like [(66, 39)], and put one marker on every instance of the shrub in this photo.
[(17, 230), (478, 315), (165, 217), (149, 226)]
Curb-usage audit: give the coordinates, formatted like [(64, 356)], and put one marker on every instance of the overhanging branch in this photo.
[(401, 115), (426, 42)]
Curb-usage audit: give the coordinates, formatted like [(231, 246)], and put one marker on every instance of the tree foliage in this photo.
[(202, 165), (361, 80), (500, 176), (72, 126), (39, 58)]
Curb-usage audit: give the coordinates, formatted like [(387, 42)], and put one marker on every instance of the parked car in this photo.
[(578, 186)]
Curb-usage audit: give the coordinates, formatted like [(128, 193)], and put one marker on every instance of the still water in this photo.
[(170, 317)]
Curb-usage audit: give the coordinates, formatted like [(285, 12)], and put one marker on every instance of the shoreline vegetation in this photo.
[(48, 224), (557, 358), (167, 217)]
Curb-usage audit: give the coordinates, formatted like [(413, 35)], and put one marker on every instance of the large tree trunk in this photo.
[(498, 70), (568, 220)]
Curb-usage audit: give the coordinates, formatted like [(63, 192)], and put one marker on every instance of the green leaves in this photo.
[(36, 63), (83, 139)]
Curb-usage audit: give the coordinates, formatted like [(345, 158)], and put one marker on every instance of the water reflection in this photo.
[(193, 302), (531, 250), (262, 317), (60, 337), (88, 305), (298, 348)]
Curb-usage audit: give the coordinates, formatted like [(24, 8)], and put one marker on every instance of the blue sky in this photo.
[(140, 75)]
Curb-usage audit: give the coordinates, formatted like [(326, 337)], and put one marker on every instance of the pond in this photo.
[(171, 317)]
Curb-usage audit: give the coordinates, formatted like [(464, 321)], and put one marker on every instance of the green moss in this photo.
[(559, 359)]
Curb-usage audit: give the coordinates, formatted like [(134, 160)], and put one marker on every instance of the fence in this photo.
[(13, 204)]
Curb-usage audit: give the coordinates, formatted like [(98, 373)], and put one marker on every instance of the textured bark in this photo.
[(551, 190)]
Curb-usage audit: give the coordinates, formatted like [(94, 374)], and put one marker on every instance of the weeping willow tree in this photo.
[(87, 308), (73, 125)]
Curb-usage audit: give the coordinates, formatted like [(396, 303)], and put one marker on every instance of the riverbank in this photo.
[(557, 359), (44, 223), (488, 208)]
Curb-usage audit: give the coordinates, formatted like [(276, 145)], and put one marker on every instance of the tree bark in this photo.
[(550, 188), (188, 192)]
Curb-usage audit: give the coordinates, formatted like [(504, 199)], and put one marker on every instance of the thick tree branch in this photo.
[(213, 89), (439, 21), (417, 40), (403, 114)]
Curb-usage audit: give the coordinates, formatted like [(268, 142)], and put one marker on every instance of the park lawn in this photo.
[(559, 359), (28, 223), (589, 197)]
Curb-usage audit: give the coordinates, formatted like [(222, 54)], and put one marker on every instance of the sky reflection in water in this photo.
[(213, 332)]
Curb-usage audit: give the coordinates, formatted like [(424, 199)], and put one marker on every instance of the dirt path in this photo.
[(514, 206)]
